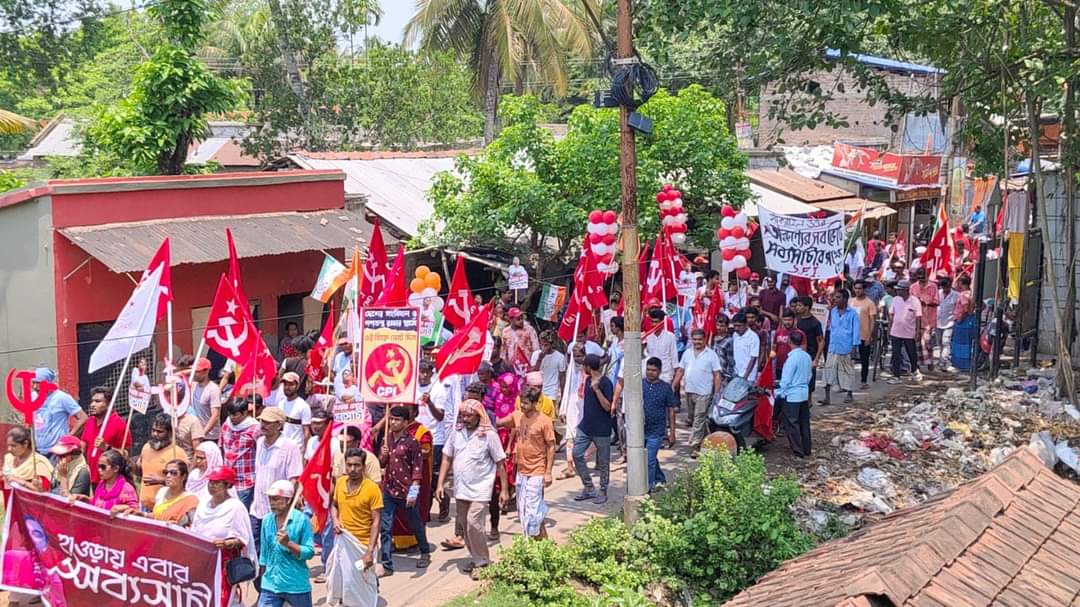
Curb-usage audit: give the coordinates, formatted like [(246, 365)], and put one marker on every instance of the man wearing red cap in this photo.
[(206, 401), (519, 342)]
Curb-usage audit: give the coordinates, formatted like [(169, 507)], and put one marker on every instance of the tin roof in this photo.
[(393, 185), (126, 247), (797, 186), (1008, 537), (890, 65)]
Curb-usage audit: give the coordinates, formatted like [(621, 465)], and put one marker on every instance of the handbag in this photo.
[(239, 570)]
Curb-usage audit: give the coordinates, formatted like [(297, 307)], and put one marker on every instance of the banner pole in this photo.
[(150, 303)]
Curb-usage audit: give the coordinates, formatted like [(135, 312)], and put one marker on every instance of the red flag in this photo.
[(395, 294), (939, 253), (234, 272), (659, 283), (459, 308), (231, 332), (763, 415), (375, 268), (588, 296), (315, 481), (326, 340), (464, 351), (165, 284)]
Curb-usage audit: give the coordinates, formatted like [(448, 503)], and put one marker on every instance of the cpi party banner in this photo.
[(803, 246), (389, 351), (75, 555)]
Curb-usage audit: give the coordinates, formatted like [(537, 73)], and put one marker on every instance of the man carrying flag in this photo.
[(231, 332), (464, 351)]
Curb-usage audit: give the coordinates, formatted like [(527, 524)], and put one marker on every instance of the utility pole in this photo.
[(636, 466)]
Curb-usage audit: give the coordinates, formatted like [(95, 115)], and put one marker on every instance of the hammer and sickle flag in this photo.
[(231, 332), (464, 351), (316, 480)]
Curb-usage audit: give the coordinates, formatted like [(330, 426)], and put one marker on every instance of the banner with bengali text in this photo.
[(75, 555), (804, 246)]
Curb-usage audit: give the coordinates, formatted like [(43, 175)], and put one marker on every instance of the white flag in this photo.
[(134, 326)]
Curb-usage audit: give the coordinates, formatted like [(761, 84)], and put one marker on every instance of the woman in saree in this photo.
[(504, 399), (173, 503), (223, 520), (24, 467)]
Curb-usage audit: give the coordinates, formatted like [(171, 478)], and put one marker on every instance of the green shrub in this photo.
[(721, 526), (602, 551), (537, 570)]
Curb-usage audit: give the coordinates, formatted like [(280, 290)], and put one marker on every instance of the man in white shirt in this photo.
[(551, 364), (431, 409), (747, 348), (297, 412), (698, 375), (275, 459), (661, 343)]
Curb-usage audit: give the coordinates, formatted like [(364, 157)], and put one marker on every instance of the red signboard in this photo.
[(900, 170), (75, 555)]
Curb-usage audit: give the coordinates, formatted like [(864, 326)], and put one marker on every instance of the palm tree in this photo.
[(13, 124), (496, 36)]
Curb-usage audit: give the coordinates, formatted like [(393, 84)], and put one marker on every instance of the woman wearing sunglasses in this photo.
[(173, 503), (115, 487)]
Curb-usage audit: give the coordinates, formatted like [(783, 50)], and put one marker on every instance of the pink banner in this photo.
[(77, 556)]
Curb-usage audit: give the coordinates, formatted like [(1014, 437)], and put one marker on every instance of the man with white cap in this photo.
[(297, 411), (287, 543), (276, 459), (51, 421), (206, 401)]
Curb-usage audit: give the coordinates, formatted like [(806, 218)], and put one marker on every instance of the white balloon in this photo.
[(738, 261), (681, 217), (665, 205), (728, 266), (727, 223), (741, 243), (416, 300), (740, 219), (728, 242), (429, 292), (613, 228), (438, 304), (600, 249), (667, 220), (678, 238)]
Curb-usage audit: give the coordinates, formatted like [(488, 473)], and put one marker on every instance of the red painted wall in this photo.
[(93, 293), (233, 199)]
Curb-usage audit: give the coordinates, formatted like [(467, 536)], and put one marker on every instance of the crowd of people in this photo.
[(225, 462)]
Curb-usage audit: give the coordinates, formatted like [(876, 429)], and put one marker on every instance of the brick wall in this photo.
[(866, 123)]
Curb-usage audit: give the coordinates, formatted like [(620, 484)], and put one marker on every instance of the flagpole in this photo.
[(151, 302), (570, 355), (168, 357)]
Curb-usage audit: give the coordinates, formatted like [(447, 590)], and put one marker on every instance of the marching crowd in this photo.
[(225, 462)]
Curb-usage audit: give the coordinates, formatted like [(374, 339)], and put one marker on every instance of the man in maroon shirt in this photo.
[(781, 341), (115, 430), (402, 464), (773, 300)]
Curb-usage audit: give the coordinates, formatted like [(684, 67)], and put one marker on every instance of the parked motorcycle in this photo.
[(732, 412)]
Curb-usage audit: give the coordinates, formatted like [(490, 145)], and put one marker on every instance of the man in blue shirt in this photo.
[(51, 420), (659, 403), (843, 348), (594, 429), (793, 396), (287, 544)]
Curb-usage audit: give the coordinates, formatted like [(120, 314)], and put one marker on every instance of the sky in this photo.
[(396, 14)]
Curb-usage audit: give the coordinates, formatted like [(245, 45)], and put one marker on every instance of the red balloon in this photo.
[(661, 196), (667, 186), (596, 217), (745, 253), (738, 232), (728, 254), (675, 194), (609, 239), (723, 233), (678, 227), (743, 273), (596, 238), (751, 228), (610, 217), (727, 211)]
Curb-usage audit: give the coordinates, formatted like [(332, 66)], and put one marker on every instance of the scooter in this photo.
[(732, 412)]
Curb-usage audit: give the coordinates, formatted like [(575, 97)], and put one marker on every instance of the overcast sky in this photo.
[(395, 14)]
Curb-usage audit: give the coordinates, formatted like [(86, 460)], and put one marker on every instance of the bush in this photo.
[(538, 570), (602, 551), (723, 525)]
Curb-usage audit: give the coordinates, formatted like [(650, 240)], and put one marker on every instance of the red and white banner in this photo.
[(898, 170), (77, 555)]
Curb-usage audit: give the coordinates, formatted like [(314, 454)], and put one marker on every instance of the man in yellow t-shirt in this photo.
[(534, 392), (357, 505)]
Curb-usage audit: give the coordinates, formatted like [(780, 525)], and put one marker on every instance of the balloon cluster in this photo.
[(601, 238), (734, 236), (672, 214), (425, 289)]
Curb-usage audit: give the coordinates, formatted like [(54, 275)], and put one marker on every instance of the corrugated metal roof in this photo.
[(58, 141), (395, 189), (891, 65), (852, 205), (203, 151), (790, 183), (777, 202), (127, 247)]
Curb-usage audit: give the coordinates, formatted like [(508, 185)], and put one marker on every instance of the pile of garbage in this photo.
[(906, 451)]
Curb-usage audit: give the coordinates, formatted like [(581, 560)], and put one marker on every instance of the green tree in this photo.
[(496, 36), (531, 193), (172, 93)]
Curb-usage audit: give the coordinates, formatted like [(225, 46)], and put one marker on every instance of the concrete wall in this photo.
[(866, 123), (27, 331)]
